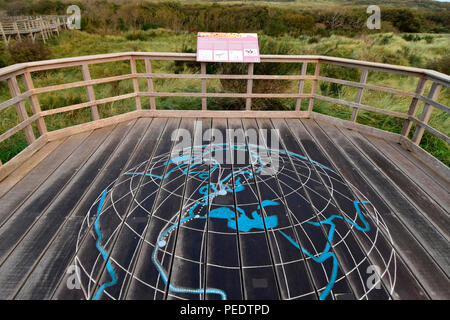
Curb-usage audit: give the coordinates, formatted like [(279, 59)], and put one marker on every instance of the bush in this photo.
[(136, 35), (27, 50), (440, 64)]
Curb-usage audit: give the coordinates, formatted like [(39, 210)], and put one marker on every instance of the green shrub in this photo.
[(27, 50), (440, 64)]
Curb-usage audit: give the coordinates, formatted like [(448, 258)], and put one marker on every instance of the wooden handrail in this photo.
[(31, 93)]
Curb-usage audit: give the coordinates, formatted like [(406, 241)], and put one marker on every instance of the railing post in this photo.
[(426, 113), (248, 101), (414, 106), (30, 30), (20, 109), (301, 85), (3, 34), (90, 90), (135, 83), (16, 28), (34, 102), (314, 86), (148, 69), (203, 72), (41, 29), (359, 94)]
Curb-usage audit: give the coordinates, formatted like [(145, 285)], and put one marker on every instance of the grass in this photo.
[(399, 49)]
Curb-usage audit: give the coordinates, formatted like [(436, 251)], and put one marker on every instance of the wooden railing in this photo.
[(12, 73), (21, 27)]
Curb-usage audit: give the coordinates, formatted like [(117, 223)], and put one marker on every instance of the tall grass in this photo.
[(419, 51)]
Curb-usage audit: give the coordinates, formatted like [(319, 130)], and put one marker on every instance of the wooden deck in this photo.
[(341, 210)]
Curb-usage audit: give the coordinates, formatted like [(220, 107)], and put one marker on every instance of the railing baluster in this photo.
[(5, 39), (41, 27), (301, 85), (148, 69), (248, 101), (34, 102), (426, 113), (203, 71), (414, 106), (20, 109), (90, 90), (16, 28), (359, 94), (135, 83), (314, 86)]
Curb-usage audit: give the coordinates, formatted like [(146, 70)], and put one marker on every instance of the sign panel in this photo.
[(227, 47)]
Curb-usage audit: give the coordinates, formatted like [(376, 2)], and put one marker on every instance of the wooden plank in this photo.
[(431, 130), (435, 104), (296, 280), (24, 218), (87, 104), (36, 240), (83, 83), (225, 268), (225, 95), (425, 182), (248, 101), (12, 200), (15, 100), (223, 114), (359, 94), (23, 125), (54, 263), (148, 69), (413, 107), (440, 177), (131, 239), (362, 106), (65, 132), (328, 183), (301, 85), (411, 259), (433, 242), (135, 83), (34, 103), (11, 165), (88, 253), (426, 113), (203, 72), (429, 161), (150, 75), (90, 90), (314, 87), (191, 260), (363, 85), (247, 266), (21, 111), (312, 238), (164, 216), (439, 218), (28, 166), (389, 136)]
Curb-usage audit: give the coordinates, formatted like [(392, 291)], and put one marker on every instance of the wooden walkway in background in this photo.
[(20, 28), (50, 218)]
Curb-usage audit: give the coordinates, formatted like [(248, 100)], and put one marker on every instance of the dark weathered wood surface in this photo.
[(45, 227)]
